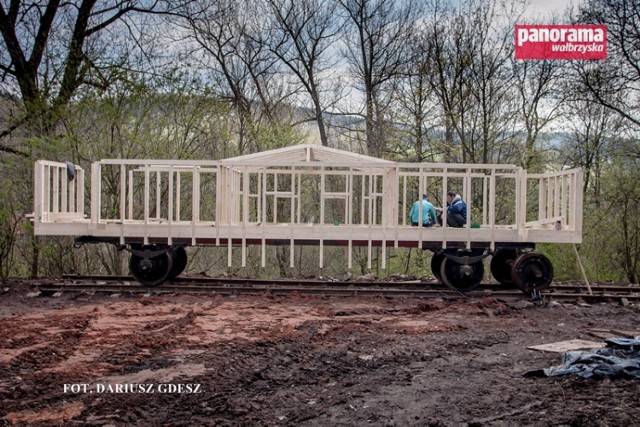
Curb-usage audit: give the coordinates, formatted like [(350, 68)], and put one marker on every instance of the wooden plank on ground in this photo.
[(626, 334), (602, 334), (562, 346)]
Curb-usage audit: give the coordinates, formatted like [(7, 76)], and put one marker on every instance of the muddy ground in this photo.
[(299, 360)]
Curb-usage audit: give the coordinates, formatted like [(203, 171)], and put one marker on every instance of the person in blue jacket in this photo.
[(428, 213), (456, 211)]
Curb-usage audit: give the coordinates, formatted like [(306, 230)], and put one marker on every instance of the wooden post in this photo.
[(584, 274)]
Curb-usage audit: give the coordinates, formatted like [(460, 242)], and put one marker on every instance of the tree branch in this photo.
[(13, 151), (43, 34)]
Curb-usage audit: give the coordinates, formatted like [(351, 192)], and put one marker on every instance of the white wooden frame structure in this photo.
[(304, 194)]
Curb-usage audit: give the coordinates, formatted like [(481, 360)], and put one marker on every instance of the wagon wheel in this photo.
[(151, 271), (501, 263), (532, 271), (179, 258), (436, 264), (461, 277)]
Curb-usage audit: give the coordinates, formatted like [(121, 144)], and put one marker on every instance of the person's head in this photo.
[(450, 196), (424, 197)]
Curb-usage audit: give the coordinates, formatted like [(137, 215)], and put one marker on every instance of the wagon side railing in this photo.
[(59, 192), (321, 201)]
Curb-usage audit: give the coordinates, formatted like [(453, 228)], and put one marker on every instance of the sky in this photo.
[(542, 8), (546, 7)]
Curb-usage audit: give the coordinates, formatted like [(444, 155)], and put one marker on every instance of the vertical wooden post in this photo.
[(64, 187), (179, 195), (484, 200), (521, 202), (123, 200), (56, 190), (38, 192), (46, 191), (158, 194), (542, 201), (80, 191), (146, 204), (130, 198), (96, 180), (170, 206), (445, 183), (195, 207)]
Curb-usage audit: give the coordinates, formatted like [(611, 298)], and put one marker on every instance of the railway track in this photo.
[(409, 289)]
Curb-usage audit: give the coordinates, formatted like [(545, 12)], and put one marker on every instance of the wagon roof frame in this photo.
[(303, 154), (313, 156)]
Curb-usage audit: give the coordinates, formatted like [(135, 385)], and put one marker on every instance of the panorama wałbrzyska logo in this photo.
[(561, 41)]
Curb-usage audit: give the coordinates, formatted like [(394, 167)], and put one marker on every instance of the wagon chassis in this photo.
[(461, 269)]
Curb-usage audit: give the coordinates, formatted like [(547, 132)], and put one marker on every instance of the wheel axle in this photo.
[(531, 272)]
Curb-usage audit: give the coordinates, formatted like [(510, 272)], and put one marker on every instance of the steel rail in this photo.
[(236, 286), (417, 283)]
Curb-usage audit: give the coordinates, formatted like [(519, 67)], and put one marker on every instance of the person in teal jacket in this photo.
[(428, 213)]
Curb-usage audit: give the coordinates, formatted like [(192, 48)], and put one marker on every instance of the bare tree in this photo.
[(417, 106), (590, 143), (450, 54), (618, 240), (540, 96), (302, 35), (52, 48), (48, 51), (228, 36), (376, 49), (473, 81), (615, 83)]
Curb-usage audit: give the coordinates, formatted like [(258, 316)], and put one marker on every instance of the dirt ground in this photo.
[(298, 360)]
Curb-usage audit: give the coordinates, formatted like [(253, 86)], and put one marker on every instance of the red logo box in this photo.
[(561, 41)]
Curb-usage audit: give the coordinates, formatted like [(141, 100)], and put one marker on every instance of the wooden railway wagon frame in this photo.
[(309, 194)]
